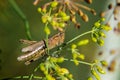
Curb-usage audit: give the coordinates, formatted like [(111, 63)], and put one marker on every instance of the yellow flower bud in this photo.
[(83, 42), (95, 74), (76, 62), (94, 39), (95, 61), (90, 78), (100, 70), (53, 23), (107, 28), (49, 77), (102, 34), (61, 59), (97, 24), (53, 59), (62, 14), (100, 42), (102, 19), (85, 18), (65, 18), (44, 19), (75, 55), (104, 63), (62, 25), (73, 46), (63, 71), (47, 30), (42, 67), (81, 56), (54, 4), (39, 9)]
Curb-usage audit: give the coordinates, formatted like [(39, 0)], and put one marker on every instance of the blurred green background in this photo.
[(12, 29)]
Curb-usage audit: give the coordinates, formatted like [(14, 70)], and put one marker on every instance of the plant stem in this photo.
[(47, 39), (82, 62), (37, 77), (31, 76), (22, 16), (78, 37)]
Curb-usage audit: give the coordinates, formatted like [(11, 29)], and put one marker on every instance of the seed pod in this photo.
[(88, 1), (72, 12), (93, 12), (80, 12), (73, 19), (85, 18), (102, 14), (36, 2)]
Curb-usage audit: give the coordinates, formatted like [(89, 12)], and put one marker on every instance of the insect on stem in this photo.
[(38, 49)]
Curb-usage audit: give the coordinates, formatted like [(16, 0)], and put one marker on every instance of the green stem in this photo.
[(26, 77), (78, 37), (31, 76), (47, 39), (50, 10), (82, 62), (22, 16), (37, 77), (19, 77), (37, 68)]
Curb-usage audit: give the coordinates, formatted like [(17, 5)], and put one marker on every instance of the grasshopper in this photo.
[(35, 50)]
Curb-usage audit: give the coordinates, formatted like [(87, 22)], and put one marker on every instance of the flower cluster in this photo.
[(56, 20), (96, 69), (97, 31), (76, 55), (53, 71), (70, 6)]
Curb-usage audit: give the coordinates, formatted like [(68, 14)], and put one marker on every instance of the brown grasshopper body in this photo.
[(37, 49)]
